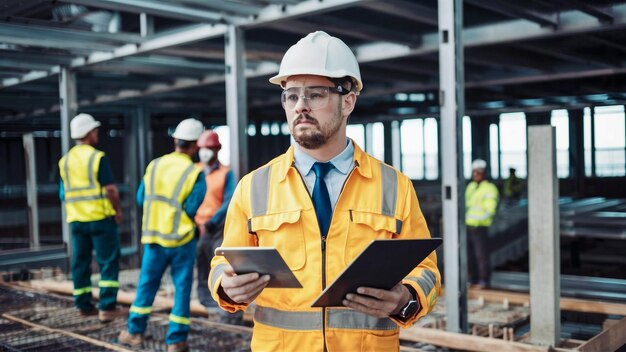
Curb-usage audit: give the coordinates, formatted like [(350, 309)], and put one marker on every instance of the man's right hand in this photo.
[(243, 288)]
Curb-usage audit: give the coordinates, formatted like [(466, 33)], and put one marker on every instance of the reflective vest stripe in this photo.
[(179, 320), (484, 216), (140, 310), (389, 190), (176, 194), (336, 319), (260, 188), (68, 186), (81, 291), (148, 206), (351, 319), (217, 273), (108, 283), (165, 239), (426, 281), (158, 198), (288, 320)]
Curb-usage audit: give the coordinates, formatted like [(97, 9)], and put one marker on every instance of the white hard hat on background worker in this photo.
[(319, 54), (479, 164), (188, 130), (81, 125)]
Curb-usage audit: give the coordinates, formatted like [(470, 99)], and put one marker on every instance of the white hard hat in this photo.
[(319, 54), (82, 124), (188, 130), (479, 164)]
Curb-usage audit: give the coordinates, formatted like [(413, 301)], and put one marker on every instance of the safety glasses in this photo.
[(315, 97)]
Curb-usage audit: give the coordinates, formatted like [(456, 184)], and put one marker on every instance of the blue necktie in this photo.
[(321, 199)]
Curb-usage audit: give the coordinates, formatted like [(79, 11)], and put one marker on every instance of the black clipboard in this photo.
[(382, 265), (262, 260)]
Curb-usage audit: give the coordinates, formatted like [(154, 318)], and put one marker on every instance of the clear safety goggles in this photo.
[(315, 97)]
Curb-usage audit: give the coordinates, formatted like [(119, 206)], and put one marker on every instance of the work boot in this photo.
[(107, 316), (127, 338), (178, 347), (88, 312)]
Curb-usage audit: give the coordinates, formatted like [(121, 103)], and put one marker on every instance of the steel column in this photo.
[(68, 107), (31, 189), (544, 236), (396, 155), (451, 99), (236, 99)]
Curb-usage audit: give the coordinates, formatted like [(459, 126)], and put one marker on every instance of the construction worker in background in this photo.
[(92, 206), (512, 186), (210, 217), (481, 201), (320, 204), (171, 192)]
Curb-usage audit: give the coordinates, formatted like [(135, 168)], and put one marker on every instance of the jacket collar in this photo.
[(362, 162)]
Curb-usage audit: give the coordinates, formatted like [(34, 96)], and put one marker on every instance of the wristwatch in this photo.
[(410, 308)]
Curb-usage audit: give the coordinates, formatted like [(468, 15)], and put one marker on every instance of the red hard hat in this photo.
[(209, 139)]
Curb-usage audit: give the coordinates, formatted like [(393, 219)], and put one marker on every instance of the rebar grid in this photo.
[(57, 313)]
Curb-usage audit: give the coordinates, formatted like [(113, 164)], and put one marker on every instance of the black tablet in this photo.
[(262, 260), (382, 265)]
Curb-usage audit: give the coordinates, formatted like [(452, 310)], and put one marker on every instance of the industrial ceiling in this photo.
[(168, 56)]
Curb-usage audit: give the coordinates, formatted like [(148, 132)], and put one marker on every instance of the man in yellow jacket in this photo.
[(320, 204), (481, 201), (92, 206), (171, 192)]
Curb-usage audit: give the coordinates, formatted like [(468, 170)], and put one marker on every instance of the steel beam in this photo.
[(513, 10), (602, 15), (188, 35), (31, 189), (156, 8), (236, 99), (239, 8), (452, 105), (68, 108), (544, 236), (408, 10)]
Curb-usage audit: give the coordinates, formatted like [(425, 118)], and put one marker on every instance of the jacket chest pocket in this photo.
[(284, 232), (366, 227)]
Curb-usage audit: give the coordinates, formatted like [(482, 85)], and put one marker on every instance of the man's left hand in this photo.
[(377, 302)]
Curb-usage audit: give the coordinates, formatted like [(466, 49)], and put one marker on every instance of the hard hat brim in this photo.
[(283, 76)]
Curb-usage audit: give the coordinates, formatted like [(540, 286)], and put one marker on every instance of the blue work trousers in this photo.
[(155, 260)]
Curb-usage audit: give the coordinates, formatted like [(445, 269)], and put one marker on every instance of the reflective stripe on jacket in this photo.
[(481, 201), (168, 181), (272, 207), (214, 196), (85, 198)]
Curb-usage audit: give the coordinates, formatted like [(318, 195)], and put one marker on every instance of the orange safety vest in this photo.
[(214, 196), (271, 207)]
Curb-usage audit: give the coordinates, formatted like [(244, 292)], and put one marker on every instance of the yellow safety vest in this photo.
[(481, 201), (85, 198), (272, 207), (168, 182)]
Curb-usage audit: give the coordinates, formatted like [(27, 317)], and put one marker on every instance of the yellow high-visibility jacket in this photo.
[(272, 207), (85, 198), (481, 201), (168, 182)]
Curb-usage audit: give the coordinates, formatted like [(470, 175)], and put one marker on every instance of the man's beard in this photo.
[(315, 138)]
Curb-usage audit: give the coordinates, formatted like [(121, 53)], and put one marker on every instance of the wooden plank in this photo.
[(608, 340), (465, 342), (569, 304), (67, 333)]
